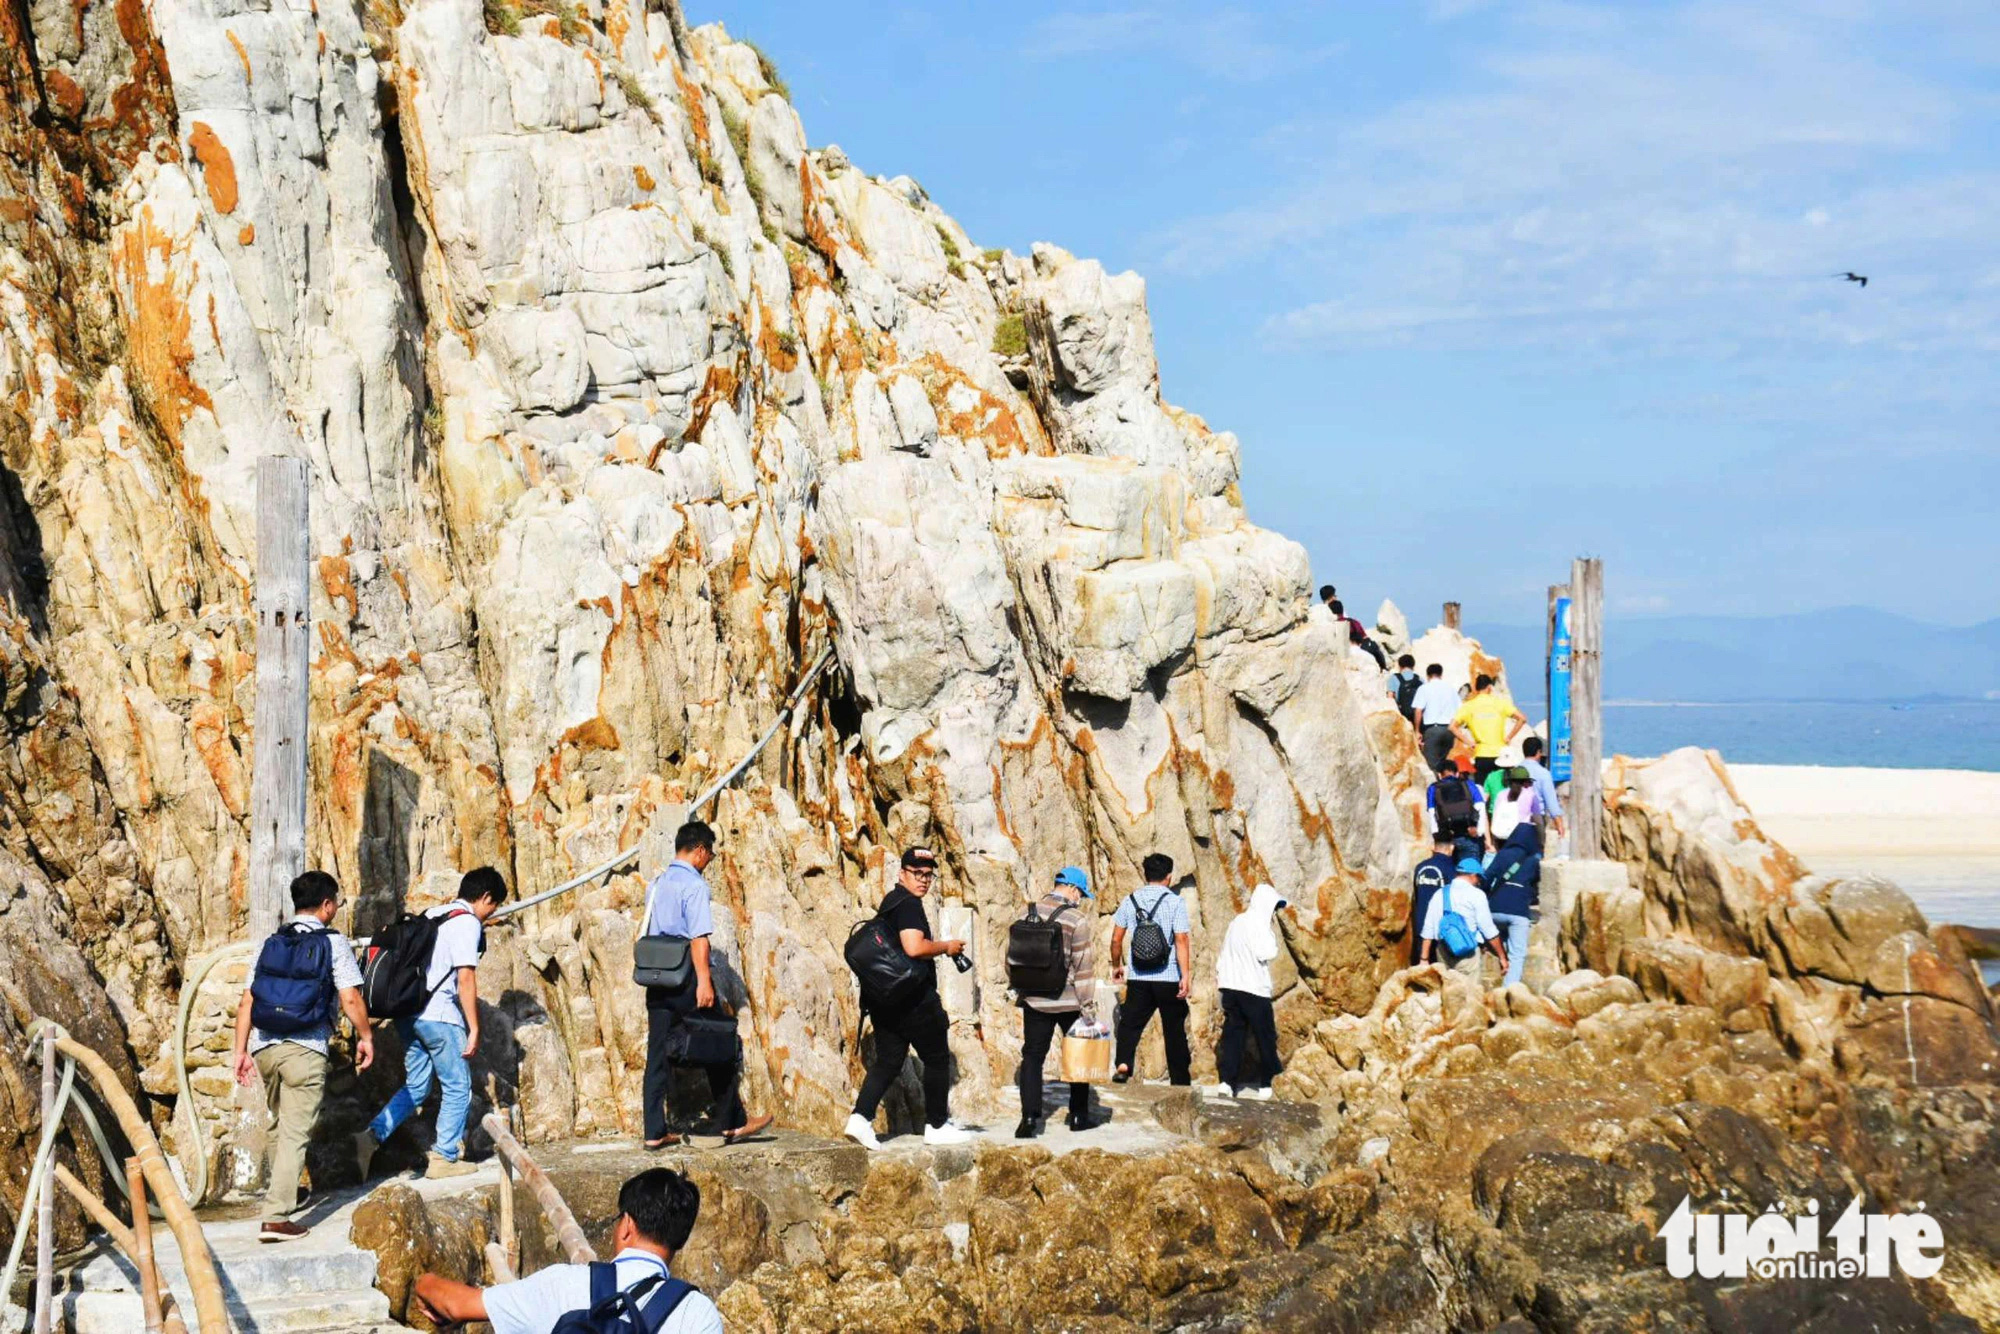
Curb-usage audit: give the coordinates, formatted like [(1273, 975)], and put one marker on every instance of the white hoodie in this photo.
[(1244, 962)]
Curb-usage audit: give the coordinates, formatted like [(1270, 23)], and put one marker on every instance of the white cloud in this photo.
[(1684, 179)]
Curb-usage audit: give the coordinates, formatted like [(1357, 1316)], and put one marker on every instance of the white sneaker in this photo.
[(946, 1134), (1255, 1095), (862, 1132), (1219, 1091)]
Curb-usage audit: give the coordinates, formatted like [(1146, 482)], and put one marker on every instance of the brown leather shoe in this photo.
[(280, 1229), (666, 1141), (747, 1129)]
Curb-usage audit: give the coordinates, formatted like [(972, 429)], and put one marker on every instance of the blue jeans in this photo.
[(430, 1048), (1516, 930)]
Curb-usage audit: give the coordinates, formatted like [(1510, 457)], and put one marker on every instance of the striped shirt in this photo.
[(1081, 989)]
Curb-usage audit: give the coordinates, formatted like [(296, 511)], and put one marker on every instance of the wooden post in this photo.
[(278, 758), (45, 1206), (576, 1246), (1451, 611), (142, 1238), (1586, 705)]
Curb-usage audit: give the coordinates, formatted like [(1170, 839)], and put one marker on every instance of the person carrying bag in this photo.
[(685, 1026), (1045, 1012)]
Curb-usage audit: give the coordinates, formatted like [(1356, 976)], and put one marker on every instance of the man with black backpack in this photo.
[(1454, 806), (1403, 687), (1161, 963), (1056, 983), (305, 973), (439, 1021), (1432, 874), (915, 1016), (634, 1292)]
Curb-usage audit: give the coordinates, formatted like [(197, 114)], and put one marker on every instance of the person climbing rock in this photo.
[(1454, 805), (1512, 803), (1357, 633), (1043, 1015), (1513, 883), (1459, 923), (1432, 874), (1434, 706), (919, 1024), (306, 975), (1548, 805), (1403, 687), (1487, 722), (1155, 918), (1243, 974), (441, 1040)]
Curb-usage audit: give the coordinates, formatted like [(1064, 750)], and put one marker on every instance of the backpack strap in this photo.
[(603, 1282), (1147, 913), (672, 1292)]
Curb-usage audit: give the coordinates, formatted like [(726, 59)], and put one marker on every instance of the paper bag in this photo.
[(1086, 1060)]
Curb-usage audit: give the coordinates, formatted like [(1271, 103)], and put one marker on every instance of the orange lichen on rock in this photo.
[(218, 169), (336, 576), (159, 325), (241, 54), (247, 234), (643, 177)]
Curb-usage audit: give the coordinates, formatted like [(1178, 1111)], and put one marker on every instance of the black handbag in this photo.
[(698, 1040), (663, 961)]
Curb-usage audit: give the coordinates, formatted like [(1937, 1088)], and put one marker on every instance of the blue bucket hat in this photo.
[(1074, 877), (1471, 866)]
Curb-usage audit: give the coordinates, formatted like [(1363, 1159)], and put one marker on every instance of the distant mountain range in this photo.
[(1844, 653)]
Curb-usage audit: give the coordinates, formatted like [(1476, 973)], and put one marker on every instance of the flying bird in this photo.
[(1852, 277)]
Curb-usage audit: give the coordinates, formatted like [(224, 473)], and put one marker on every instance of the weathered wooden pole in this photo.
[(1586, 802), (278, 757), (575, 1245), (142, 1241), (1451, 612), (45, 1206)]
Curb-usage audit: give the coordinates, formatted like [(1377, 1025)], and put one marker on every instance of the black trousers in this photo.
[(1437, 744), (925, 1027), (725, 1110), (1245, 1015), (1483, 765), (1142, 1001), (1038, 1030)]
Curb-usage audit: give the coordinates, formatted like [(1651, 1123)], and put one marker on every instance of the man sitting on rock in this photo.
[(656, 1212), (1459, 921)]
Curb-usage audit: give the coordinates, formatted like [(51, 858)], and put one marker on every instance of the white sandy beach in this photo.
[(1935, 832)]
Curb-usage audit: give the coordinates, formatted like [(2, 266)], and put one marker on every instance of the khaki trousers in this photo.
[(294, 1081)]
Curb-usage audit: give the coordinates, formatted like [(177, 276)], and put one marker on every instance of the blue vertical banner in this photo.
[(1559, 646)]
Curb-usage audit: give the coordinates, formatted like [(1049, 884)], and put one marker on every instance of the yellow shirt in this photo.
[(1485, 716)]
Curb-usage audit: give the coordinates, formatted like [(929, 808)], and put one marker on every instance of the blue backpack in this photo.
[(1454, 930), (292, 990), (615, 1312)]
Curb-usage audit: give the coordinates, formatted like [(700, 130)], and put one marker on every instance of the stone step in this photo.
[(352, 1309), (248, 1274)]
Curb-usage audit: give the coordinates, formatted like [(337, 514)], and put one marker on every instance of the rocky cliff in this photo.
[(622, 405)]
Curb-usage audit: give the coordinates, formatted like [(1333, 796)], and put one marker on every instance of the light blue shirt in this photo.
[(533, 1305), (680, 903), (1545, 789), (1169, 910)]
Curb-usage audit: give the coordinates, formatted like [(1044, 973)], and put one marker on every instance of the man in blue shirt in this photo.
[(1163, 988), (1433, 873), (1550, 806), (678, 905)]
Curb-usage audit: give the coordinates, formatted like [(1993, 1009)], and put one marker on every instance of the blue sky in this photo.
[(1482, 286)]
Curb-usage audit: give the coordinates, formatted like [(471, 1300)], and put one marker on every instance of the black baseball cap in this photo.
[(919, 859)]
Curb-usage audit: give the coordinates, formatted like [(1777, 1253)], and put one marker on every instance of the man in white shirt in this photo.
[(304, 972), (440, 1041), (1433, 708), (657, 1211), (1468, 900)]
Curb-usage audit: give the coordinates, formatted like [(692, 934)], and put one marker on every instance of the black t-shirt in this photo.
[(903, 911)]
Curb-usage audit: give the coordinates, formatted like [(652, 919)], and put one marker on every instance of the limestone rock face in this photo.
[(622, 406)]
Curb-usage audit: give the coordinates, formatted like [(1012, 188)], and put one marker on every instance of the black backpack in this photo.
[(889, 978), (1406, 695), (1456, 813), (292, 990), (1150, 947), (1037, 955), (399, 959), (614, 1312)]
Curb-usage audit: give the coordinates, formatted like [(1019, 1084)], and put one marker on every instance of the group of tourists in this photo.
[(1052, 970)]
